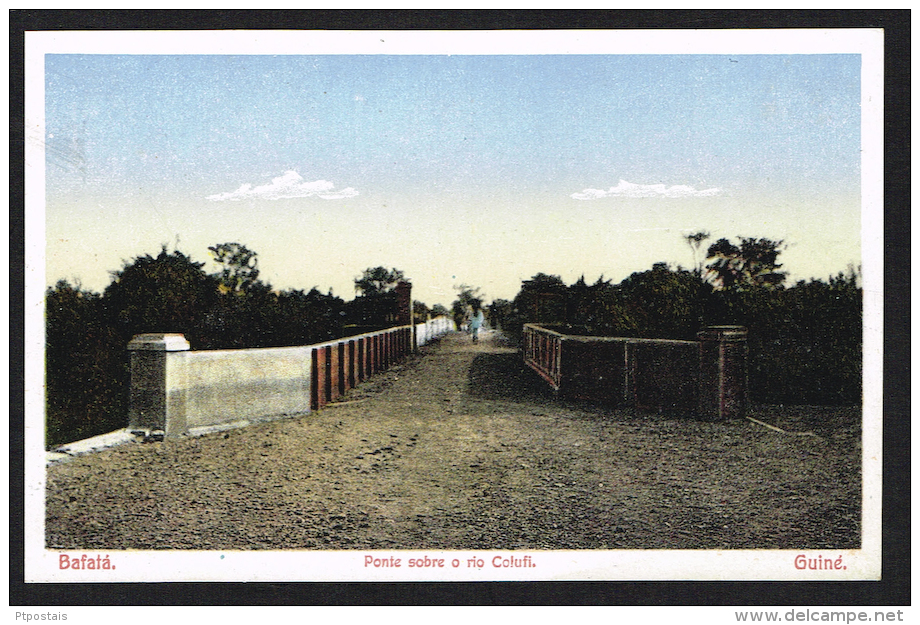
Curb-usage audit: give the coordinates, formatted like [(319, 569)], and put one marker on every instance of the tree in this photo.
[(542, 299), (500, 313), (597, 309), (748, 265), (239, 267), (378, 280), (694, 240), (169, 293), (468, 298), (665, 304), (420, 311), (543, 283)]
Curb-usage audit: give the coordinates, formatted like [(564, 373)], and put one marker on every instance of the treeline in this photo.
[(87, 365), (805, 341)]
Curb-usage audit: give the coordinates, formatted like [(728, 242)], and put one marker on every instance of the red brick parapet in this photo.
[(706, 377)]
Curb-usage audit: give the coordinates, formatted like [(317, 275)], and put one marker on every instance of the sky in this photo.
[(473, 169)]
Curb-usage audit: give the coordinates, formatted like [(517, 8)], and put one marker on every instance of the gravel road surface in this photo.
[(462, 447)]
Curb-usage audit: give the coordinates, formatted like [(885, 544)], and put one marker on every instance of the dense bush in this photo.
[(805, 341), (370, 312), (86, 367), (166, 293), (666, 304), (263, 318)]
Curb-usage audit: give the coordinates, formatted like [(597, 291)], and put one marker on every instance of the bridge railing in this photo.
[(708, 376), (339, 366), (432, 329), (175, 390), (543, 353)]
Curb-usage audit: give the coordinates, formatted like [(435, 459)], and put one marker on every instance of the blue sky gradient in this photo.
[(475, 169)]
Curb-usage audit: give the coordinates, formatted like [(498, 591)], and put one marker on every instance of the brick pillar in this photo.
[(404, 316), (351, 375), (149, 409), (723, 391)]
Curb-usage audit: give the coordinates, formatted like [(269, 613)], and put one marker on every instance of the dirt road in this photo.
[(461, 447)]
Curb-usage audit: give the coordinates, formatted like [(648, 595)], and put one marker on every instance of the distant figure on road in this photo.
[(476, 321)]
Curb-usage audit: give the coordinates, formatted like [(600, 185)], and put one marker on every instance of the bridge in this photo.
[(460, 445)]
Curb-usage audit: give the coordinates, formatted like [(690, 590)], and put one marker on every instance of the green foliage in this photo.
[(694, 240), (264, 318), (168, 293), (86, 367), (752, 264), (420, 311), (598, 309), (378, 280), (665, 304), (542, 299), (239, 267), (374, 311), (295, 318), (469, 299), (501, 314), (376, 306), (805, 342)]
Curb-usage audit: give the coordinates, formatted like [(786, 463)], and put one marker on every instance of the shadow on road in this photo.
[(504, 376)]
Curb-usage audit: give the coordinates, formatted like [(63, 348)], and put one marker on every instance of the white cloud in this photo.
[(288, 185), (628, 189)]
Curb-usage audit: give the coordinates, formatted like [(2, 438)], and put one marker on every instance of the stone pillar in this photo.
[(148, 410), (723, 391)]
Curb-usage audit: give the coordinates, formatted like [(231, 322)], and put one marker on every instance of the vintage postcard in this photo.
[(453, 305)]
